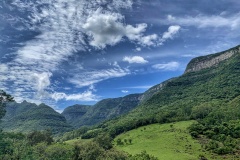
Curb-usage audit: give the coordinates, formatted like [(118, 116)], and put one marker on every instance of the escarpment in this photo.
[(204, 62)]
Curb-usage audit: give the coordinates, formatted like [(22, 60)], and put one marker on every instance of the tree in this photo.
[(40, 136), (4, 98), (104, 141)]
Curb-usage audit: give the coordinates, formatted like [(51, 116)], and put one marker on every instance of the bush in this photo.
[(143, 156), (224, 150)]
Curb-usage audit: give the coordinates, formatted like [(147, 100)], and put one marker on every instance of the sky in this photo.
[(65, 52)]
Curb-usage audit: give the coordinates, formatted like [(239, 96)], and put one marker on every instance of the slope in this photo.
[(165, 141), (26, 117), (101, 111), (74, 113), (213, 83)]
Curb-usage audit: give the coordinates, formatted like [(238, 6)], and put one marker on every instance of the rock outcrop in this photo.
[(204, 62)]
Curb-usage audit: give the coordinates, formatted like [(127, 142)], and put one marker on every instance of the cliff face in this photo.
[(204, 62)]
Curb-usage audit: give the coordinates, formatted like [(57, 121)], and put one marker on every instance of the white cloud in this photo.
[(43, 80), (124, 91), (135, 59), (3, 68), (85, 96), (149, 40), (138, 49), (104, 28), (172, 30), (107, 28), (171, 66), (136, 34), (203, 21), (88, 78)]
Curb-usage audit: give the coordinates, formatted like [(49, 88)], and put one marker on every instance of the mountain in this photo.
[(188, 89), (209, 83), (75, 112), (80, 115), (26, 117)]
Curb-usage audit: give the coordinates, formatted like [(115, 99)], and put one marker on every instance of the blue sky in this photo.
[(79, 51)]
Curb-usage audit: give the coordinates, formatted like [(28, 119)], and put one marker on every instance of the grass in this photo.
[(77, 141), (166, 141)]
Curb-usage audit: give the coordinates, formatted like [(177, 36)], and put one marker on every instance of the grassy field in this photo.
[(166, 141), (77, 141)]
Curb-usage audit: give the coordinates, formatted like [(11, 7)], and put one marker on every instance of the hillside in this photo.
[(164, 141), (26, 117), (105, 109), (196, 94), (74, 113)]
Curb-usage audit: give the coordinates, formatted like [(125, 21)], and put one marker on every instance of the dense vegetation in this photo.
[(39, 145), (4, 98), (166, 141), (221, 127), (101, 111), (74, 113)]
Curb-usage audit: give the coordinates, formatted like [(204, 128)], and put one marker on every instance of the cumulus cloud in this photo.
[(135, 59), (172, 30), (107, 28), (104, 28), (171, 66)]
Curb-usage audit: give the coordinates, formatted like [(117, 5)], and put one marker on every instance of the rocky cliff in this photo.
[(204, 62)]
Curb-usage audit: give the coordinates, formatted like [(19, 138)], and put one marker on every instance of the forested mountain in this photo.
[(26, 117), (79, 115), (75, 112), (210, 84)]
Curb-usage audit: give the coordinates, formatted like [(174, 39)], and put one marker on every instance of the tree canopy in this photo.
[(4, 98)]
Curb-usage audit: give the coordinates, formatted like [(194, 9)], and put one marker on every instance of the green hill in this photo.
[(26, 117), (165, 141)]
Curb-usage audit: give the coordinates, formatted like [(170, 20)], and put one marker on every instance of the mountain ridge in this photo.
[(195, 65), (198, 71)]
